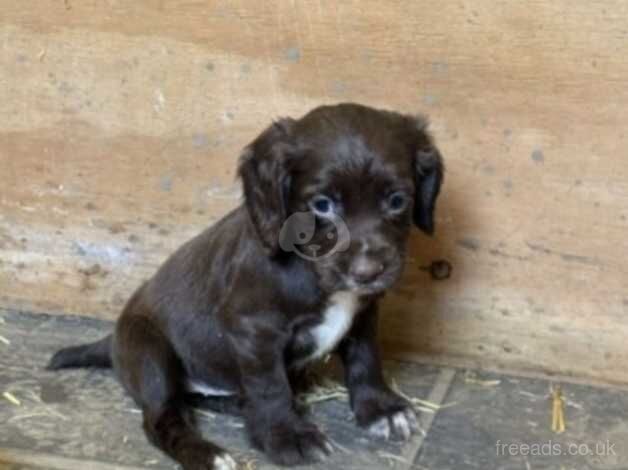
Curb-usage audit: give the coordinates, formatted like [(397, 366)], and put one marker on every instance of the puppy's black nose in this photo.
[(365, 270)]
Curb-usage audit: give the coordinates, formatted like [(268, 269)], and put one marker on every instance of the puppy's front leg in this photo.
[(375, 405), (272, 422)]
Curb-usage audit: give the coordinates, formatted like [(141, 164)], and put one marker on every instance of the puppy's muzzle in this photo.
[(365, 270)]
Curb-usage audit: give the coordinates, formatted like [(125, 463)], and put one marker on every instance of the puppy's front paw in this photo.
[(386, 415), (225, 462), (204, 456), (296, 444), (398, 425)]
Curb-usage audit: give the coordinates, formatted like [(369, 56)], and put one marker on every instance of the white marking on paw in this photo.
[(207, 390), (319, 455), (225, 462), (328, 447), (404, 424), (401, 425), (412, 420), (380, 428)]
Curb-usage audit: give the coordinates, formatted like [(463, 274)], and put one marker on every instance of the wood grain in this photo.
[(122, 122)]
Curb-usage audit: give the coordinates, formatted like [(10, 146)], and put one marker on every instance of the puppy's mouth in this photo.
[(335, 275), (376, 287)]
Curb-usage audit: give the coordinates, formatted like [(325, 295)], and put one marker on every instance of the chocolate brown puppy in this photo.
[(289, 276)]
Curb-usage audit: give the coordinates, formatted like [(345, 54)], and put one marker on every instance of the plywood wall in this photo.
[(121, 123)]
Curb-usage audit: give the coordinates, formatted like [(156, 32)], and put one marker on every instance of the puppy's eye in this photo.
[(397, 202), (322, 205)]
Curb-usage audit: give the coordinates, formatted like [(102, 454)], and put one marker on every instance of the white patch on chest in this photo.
[(337, 319)]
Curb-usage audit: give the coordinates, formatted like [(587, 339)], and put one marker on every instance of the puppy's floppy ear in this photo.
[(265, 180), (429, 172)]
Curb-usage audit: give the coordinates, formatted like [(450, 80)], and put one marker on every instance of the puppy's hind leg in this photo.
[(151, 371)]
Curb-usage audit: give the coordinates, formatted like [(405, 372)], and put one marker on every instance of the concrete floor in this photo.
[(81, 419)]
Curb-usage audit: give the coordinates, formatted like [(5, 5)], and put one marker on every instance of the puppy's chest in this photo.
[(313, 341)]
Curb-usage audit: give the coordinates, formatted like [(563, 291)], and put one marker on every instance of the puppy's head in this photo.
[(341, 188)]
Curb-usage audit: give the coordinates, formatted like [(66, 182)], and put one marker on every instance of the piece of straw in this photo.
[(558, 413), (328, 390), (10, 397), (471, 378), (419, 403)]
